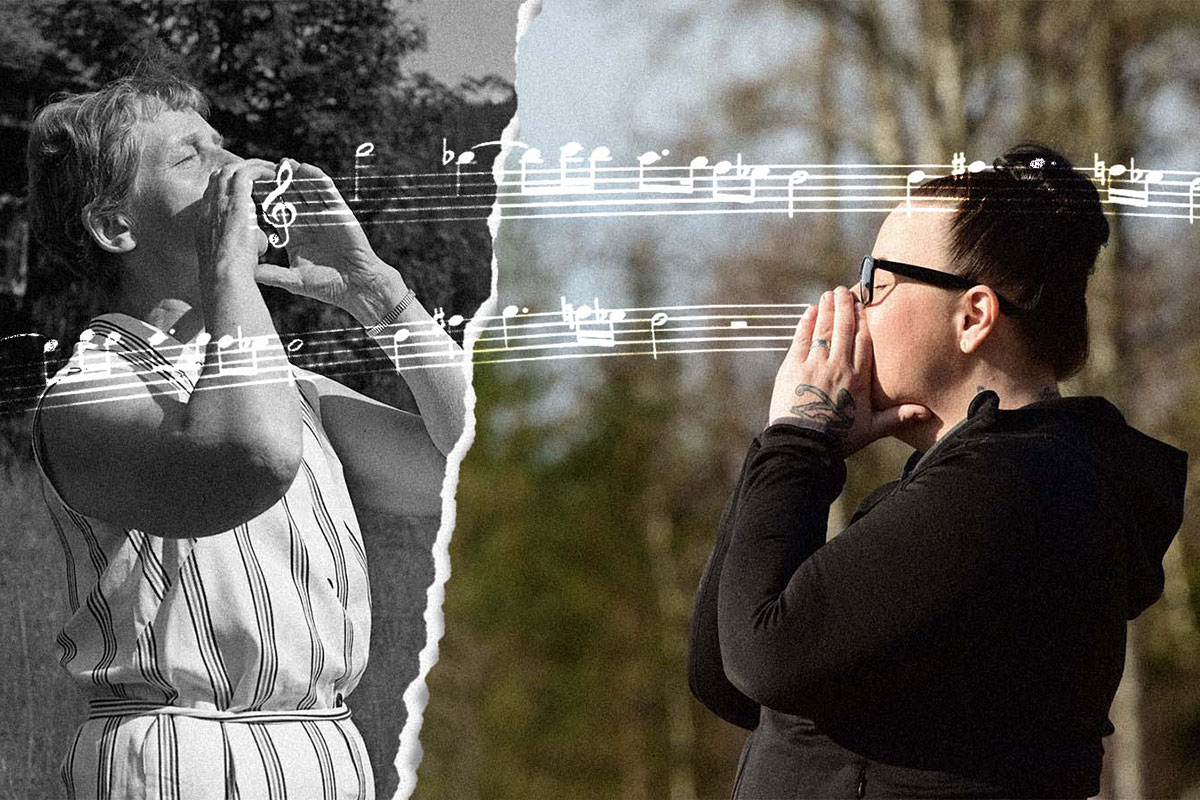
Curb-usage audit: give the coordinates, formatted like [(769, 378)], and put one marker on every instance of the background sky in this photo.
[(468, 38)]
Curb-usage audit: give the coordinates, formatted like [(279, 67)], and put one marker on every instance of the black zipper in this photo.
[(862, 781)]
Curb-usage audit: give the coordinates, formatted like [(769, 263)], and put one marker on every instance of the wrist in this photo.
[(811, 429), (378, 296)]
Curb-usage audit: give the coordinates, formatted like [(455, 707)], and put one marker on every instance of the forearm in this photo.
[(243, 399), (783, 512), (706, 671), (431, 362)]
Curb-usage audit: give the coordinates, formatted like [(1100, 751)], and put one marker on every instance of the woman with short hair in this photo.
[(964, 636)]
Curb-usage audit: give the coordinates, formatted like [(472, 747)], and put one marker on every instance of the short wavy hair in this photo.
[(83, 152)]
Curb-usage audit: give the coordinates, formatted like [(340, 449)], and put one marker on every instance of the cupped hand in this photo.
[(825, 379), (331, 259), (228, 234)]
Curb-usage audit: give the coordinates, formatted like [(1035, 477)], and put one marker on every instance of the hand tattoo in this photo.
[(822, 413)]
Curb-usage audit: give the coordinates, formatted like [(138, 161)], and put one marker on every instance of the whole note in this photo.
[(280, 213)]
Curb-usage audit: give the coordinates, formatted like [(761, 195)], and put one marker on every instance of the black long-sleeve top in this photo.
[(965, 634)]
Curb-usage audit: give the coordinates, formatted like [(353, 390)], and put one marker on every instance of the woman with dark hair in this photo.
[(964, 635)]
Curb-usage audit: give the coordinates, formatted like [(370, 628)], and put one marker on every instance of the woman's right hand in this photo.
[(824, 382), (228, 236)]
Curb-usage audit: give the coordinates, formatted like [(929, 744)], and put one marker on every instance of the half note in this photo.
[(656, 322), (363, 151), (795, 179), (914, 177)]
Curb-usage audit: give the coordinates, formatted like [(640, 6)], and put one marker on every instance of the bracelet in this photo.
[(392, 315)]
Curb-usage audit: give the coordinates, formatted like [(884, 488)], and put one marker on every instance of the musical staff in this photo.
[(515, 335), (581, 182)]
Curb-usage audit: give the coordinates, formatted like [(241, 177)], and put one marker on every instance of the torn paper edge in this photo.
[(416, 696)]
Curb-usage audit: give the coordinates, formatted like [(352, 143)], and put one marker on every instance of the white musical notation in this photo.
[(573, 331), (579, 181)]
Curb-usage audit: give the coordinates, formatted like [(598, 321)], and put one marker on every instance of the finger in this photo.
[(280, 277), (888, 420), (841, 346), (245, 173), (823, 328), (317, 184), (863, 352), (802, 339)]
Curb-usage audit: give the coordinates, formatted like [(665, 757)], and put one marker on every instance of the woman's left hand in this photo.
[(825, 379), (331, 259)]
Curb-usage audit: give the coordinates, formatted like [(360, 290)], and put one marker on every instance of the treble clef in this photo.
[(280, 213)]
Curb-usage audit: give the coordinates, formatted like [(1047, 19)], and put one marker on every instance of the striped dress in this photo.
[(214, 667)]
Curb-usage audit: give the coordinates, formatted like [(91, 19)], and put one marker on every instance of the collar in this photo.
[(982, 411)]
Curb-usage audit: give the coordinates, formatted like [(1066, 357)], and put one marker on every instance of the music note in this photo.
[(590, 336), (47, 348), (699, 162), (508, 313), (280, 213), (601, 153), (1098, 170), (656, 322), (914, 177), (795, 179), (362, 151), (1133, 197), (530, 156), (454, 321), (567, 155), (1193, 188), (252, 345), (958, 164), (648, 185), (401, 335), (465, 157)]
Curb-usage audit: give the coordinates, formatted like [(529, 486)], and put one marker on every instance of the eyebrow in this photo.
[(192, 139)]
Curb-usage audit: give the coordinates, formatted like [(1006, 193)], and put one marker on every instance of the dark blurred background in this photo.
[(310, 80)]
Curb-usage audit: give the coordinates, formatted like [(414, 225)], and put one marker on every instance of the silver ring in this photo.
[(821, 343)]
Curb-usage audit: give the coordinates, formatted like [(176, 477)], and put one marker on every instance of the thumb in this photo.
[(896, 417), (279, 277)]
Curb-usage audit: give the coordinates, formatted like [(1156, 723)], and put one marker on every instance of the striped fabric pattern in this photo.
[(273, 616)]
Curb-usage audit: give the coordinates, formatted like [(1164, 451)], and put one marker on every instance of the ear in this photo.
[(112, 231), (978, 314)]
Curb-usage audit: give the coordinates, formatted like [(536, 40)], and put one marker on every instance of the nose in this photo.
[(222, 157)]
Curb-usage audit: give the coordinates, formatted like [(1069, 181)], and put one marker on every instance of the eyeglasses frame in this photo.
[(945, 280)]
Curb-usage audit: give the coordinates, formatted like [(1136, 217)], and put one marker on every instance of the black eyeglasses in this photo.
[(946, 280)]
